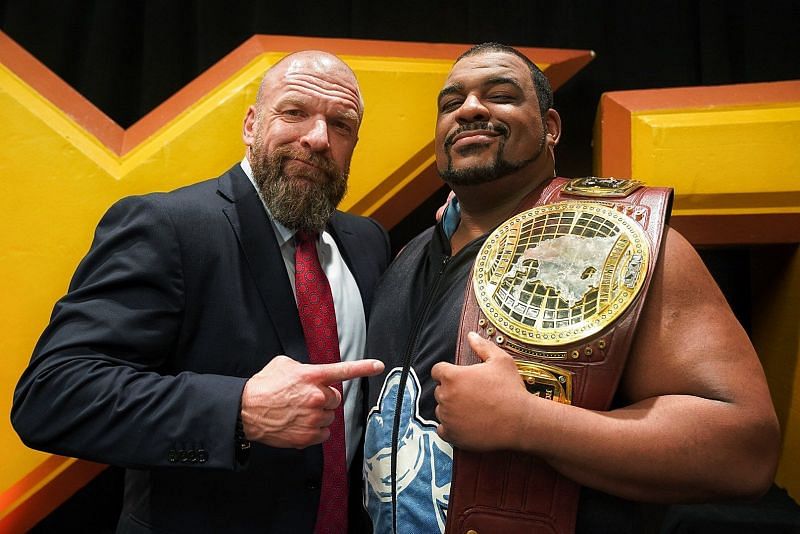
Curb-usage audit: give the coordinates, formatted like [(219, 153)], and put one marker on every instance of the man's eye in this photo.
[(501, 98), (293, 113), (450, 105), (343, 127)]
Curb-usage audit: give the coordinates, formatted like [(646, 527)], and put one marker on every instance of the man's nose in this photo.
[(472, 109), (316, 138)]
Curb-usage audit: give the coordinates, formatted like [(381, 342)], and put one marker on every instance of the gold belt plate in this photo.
[(559, 273), (594, 186), (546, 381)]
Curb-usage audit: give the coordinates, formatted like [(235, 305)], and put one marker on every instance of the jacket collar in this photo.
[(257, 240)]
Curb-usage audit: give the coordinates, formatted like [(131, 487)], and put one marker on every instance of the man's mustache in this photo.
[(326, 165), (480, 125)]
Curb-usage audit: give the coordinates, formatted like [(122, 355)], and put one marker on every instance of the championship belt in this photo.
[(559, 286)]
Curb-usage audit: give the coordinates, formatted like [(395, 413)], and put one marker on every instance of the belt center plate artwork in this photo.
[(560, 273)]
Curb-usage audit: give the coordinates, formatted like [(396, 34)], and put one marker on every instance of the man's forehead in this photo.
[(487, 65), (327, 70), (322, 75)]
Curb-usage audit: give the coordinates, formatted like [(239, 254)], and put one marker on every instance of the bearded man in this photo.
[(206, 335)]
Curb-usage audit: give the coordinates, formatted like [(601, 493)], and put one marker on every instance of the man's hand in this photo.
[(290, 404), (482, 406)]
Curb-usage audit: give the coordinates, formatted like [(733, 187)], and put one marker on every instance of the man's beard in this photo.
[(495, 170), (301, 200)]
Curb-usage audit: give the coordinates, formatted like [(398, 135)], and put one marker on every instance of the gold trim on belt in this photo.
[(560, 273)]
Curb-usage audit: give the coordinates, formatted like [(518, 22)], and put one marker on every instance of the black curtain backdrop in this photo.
[(128, 56)]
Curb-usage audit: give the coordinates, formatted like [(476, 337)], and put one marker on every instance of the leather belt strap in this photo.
[(511, 492)]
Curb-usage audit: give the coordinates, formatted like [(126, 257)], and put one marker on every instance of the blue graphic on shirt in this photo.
[(424, 463)]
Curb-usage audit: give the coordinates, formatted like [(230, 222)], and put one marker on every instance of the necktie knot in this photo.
[(304, 235)]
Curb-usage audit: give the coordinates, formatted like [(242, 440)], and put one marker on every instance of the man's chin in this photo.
[(481, 149), (466, 176), (305, 179), (473, 154)]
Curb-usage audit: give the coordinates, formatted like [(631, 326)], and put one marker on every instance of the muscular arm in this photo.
[(700, 423)]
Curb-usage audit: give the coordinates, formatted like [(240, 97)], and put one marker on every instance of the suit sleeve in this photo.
[(98, 385)]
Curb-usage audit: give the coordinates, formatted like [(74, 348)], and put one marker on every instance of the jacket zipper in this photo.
[(412, 341)]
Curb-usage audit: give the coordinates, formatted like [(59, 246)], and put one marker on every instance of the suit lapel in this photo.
[(260, 247), (347, 241)]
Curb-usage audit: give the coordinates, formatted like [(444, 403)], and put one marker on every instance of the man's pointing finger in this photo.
[(330, 373)]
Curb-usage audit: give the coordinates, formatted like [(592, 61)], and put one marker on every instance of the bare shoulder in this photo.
[(688, 342)]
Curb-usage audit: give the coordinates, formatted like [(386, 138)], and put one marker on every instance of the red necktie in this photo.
[(318, 318)]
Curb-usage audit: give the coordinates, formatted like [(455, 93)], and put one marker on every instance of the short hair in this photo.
[(540, 82)]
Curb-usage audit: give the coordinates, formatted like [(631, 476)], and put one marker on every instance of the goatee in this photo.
[(301, 200), (494, 170)]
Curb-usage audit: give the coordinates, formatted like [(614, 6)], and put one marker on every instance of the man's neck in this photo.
[(485, 206)]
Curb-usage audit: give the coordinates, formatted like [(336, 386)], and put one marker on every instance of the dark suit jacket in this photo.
[(182, 296)]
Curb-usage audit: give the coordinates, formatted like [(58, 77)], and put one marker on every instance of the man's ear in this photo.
[(249, 126), (552, 124)]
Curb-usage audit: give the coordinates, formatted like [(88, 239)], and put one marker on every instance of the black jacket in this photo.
[(182, 296)]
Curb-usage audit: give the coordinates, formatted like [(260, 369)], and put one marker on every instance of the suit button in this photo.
[(202, 456), (172, 456), (313, 485), (182, 456)]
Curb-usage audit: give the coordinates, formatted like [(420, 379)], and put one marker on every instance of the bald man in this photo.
[(179, 353)]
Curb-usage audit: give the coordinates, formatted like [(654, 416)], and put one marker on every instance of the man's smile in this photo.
[(302, 163), (471, 137), (475, 133)]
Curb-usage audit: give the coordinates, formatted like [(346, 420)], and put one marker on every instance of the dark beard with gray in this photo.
[(497, 169), (302, 200)]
